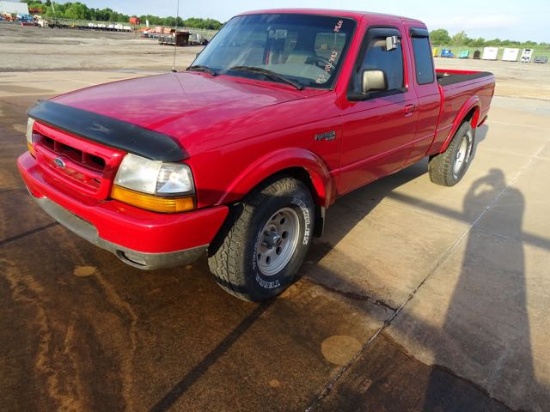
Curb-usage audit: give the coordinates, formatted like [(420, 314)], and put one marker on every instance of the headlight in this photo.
[(174, 178), (154, 185), (154, 177), (29, 135)]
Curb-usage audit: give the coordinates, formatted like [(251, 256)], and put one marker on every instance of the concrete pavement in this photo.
[(467, 267), (407, 276)]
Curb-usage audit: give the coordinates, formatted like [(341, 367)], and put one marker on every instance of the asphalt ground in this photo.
[(417, 297)]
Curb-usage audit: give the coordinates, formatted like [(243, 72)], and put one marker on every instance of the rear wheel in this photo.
[(449, 167), (265, 241)]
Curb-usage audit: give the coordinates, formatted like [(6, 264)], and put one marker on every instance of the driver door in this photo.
[(379, 126)]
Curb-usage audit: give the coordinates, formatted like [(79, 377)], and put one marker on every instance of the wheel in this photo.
[(265, 241), (449, 167)]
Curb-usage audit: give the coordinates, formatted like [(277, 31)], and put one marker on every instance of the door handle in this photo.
[(410, 109)]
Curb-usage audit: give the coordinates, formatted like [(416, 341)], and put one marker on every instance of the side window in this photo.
[(376, 56), (423, 61)]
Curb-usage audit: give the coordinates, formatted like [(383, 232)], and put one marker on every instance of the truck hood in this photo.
[(183, 105)]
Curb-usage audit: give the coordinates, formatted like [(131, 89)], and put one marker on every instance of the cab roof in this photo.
[(355, 15)]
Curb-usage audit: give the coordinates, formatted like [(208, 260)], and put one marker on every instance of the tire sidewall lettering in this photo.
[(267, 284), (306, 217)]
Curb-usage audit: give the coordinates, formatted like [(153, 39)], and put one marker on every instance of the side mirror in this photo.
[(373, 81), (391, 43)]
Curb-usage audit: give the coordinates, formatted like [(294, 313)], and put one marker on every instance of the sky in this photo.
[(503, 19)]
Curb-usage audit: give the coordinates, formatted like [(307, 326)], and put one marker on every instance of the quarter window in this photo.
[(423, 61)]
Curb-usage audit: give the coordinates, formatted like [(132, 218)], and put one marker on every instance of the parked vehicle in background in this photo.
[(541, 59), (239, 156), (26, 19), (447, 53)]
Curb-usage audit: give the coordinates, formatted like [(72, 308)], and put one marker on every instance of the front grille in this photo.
[(85, 159), (74, 163)]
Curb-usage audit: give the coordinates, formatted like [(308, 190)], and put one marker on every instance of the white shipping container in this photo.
[(510, 55), (490, 53)]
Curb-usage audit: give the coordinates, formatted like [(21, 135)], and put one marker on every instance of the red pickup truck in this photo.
[(240, 155)]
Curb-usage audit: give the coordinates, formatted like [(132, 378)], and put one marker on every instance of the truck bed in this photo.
[(448, 77), (458, 87)]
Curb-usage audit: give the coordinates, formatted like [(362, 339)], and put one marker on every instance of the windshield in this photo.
[(305, 49)]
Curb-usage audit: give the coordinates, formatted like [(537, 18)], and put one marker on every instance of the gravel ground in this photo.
[(27, 48), (36, 48)]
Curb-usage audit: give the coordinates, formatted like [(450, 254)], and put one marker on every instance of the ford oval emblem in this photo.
[(60, 163)]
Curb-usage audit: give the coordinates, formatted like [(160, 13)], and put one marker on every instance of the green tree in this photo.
[(196, 23), (440, 37), (460, 39), (479, 42), (153, 20), (77, 11), (169, 21)]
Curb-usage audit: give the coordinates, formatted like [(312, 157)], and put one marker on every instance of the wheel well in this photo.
[(303, 176), (235, 209), (472, 117)]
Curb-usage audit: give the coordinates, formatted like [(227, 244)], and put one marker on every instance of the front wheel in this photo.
[(449, 167), (265, 241)]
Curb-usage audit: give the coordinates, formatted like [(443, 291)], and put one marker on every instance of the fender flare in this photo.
[(473, 103), (277, 162)]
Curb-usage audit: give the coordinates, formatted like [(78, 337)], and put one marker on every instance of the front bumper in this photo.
[(141, 260), (143, 239)]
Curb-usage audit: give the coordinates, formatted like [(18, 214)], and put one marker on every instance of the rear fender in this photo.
[(470, 112), (277, 162)]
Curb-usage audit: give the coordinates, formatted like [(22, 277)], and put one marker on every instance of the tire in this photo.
[(265, 241), (449, 167)]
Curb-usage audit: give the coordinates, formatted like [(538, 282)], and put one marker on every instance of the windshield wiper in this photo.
[(199, 68), (269, 74)]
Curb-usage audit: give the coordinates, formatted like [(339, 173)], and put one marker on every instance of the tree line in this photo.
[(79, 11), (441, 37)]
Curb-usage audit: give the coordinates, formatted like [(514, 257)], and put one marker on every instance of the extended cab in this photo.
[(241, 154)]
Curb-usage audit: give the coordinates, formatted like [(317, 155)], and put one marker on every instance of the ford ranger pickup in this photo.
[(240, 155)]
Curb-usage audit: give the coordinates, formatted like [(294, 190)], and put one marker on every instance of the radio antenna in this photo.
[(176, 37)]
